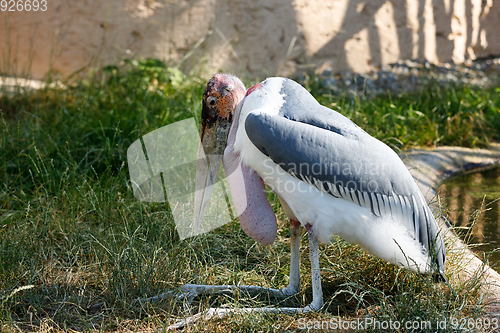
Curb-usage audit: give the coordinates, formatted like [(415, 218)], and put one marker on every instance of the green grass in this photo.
[(71, 228), (439, 114)]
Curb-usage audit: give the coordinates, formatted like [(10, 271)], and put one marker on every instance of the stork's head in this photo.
[(222, 94), (221, 97)]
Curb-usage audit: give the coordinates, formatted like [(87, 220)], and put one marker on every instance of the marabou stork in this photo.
[(330, 176)]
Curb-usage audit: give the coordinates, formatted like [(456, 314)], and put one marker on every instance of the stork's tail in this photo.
[(429, 235)]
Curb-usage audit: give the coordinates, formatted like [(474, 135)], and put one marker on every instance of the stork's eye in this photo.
[(211, 100)]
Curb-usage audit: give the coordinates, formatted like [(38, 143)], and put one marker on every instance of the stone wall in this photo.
[(251, 38)]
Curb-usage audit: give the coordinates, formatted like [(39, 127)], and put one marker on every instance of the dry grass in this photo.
[(71, 228)]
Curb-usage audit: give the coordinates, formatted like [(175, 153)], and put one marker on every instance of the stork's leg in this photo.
[(294, 283), (189, 291), (293, 287), (317, 302)]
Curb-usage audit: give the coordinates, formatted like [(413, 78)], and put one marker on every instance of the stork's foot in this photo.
[(223, 312), (189, 291), (314, 306), (290, 290)]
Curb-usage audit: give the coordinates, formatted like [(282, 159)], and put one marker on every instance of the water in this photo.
[(475, 197)]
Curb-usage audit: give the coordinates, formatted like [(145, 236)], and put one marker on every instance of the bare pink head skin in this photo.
[(222, 102)]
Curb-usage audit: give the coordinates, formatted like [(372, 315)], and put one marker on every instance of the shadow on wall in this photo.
[(380, 32), (282, 37), (255, 37), (73, 36), (251, 38)]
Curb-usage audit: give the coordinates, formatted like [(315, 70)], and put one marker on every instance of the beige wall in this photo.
[(253, 38)]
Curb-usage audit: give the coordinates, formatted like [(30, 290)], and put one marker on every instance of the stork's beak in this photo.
[(222, 95), (210, 153)]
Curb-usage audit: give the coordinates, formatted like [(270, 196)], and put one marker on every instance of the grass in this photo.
[(76, 247), (439, 114)]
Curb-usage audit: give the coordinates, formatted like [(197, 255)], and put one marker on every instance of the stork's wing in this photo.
[(325, 149), (353, 160)]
